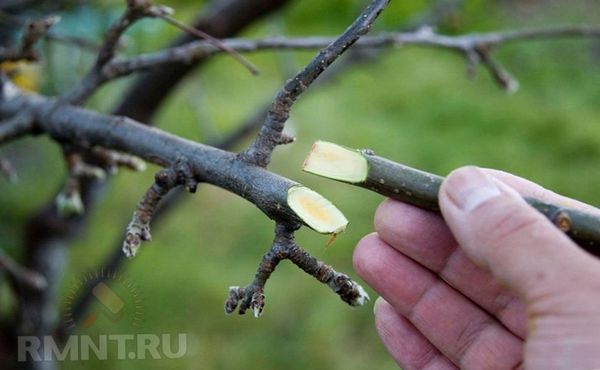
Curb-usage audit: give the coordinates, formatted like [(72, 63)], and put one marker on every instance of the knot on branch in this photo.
[(284, 247), (166, 179)]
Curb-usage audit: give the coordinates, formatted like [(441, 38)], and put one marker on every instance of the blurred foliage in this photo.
[(413, 105)]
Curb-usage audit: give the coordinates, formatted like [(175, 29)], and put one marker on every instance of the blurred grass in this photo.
[(412, 105)]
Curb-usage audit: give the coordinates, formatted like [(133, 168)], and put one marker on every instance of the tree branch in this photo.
[(476, 48), (271, 193), (135, 10), (34, 31), (223, 19), (20, 275), (261, 149), (284, 247), (16, 126)]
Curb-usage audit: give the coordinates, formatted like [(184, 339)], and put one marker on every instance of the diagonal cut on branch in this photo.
[(261, 149), (284, 247), (363, 168), (278, 197)]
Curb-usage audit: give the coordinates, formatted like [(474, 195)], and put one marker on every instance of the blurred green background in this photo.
[(410, 104)]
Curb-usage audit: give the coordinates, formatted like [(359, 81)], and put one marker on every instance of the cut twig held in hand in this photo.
[(363, 168)]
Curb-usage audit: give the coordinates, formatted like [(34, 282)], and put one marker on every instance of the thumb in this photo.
[(498, 230)]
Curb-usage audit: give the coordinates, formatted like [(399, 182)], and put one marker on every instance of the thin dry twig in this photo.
[(211, 40)]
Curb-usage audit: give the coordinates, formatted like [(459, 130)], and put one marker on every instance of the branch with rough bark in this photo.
[(271, 133), (286, 202), (135, 10), (477, 48), (397, 181)]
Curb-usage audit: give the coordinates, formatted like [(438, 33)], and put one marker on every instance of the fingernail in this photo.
[(376, 305), (469, 188)]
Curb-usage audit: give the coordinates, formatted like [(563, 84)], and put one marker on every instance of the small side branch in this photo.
[(284, 247), (165, 180), (136, 10), (363, 168), (270, 135), (166, 16), (15, 127), (69, 201), (8, 170), (20, 275), (34, 31)]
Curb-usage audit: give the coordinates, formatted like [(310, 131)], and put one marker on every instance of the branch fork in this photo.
[(284, 247)]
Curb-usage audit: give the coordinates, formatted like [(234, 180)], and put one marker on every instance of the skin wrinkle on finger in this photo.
[(435, 309), (424, 237), (410, 349)]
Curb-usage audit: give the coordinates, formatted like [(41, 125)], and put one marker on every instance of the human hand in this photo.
[(491, 285)]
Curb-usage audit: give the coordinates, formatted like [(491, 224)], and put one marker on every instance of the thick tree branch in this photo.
[(363, 168), (271, 193), (270, 135)]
